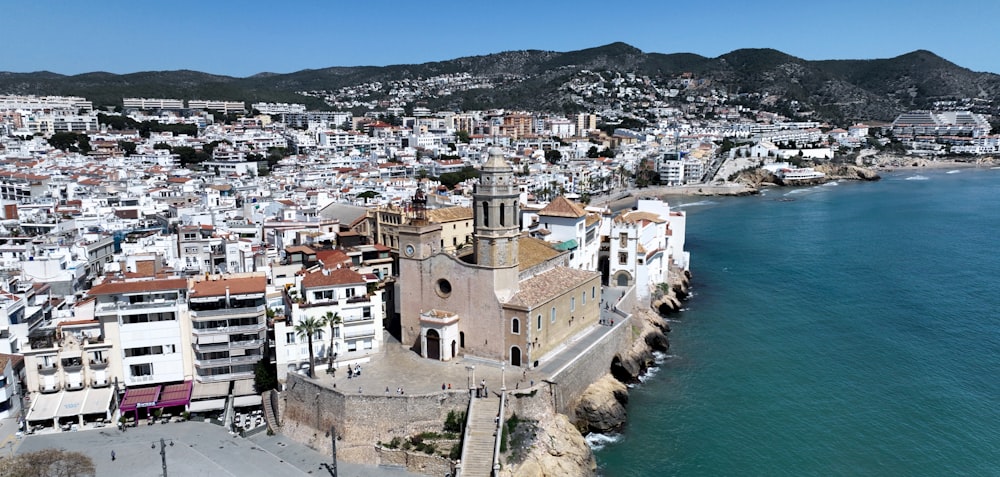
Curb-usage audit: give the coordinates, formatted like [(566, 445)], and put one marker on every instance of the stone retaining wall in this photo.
[(309, 410)]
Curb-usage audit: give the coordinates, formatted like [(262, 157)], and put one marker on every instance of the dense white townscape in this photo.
[(155, 256)]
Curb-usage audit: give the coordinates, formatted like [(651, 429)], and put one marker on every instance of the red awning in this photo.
[(140, 397)]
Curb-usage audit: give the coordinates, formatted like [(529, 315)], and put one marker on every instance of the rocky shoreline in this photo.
[(560, 447)]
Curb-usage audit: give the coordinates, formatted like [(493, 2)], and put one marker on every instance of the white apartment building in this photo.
[(340, 292), (642, 244), (152, 103), (216, 105)]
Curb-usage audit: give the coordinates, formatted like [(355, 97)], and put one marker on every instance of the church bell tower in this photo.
[(496, 211)]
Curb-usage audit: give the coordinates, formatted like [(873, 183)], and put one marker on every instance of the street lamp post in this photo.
[(163, 453)]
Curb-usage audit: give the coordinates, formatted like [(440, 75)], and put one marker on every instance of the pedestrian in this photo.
[(387, 390), (359, 389), (399, 390), (443, 387), (449, 386), (112, 456)]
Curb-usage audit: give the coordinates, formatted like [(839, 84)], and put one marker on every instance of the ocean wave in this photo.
[(953, 171), (695, 204), (599, 441), (650, 372), (831, 184), (917, 177)]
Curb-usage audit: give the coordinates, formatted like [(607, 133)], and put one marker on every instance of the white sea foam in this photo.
[(831, 184), (694, 204), (917, 177), (955, 171), (599, 441), (650, 372)]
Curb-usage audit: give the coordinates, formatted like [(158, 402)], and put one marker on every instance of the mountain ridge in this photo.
[(834, 90)]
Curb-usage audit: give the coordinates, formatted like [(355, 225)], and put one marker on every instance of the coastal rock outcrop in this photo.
[(602, 406), (558, 449), (847, 172)]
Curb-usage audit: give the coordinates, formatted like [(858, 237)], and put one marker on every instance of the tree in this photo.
[(264, 375), (334, 320), (48, 463), (306, 328), (553, 156), (592, 152), (462, 136), (128, 147), (70, 141)]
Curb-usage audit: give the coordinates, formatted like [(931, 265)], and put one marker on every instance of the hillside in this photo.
[(613, 79)]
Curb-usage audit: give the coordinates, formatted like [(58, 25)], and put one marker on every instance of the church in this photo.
[(514, 299)]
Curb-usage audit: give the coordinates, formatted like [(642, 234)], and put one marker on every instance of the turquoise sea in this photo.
[(845, 329)]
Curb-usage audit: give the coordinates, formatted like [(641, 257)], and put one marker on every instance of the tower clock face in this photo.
[(408, 250)]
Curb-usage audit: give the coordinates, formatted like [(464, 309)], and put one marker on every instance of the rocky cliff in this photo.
[(558, 450)]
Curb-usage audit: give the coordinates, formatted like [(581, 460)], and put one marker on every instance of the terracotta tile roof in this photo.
[(237, 286), (332, 258), (449, 214), (330, 278), (563, 207), (631, 217), (112, 288), (543, 287), (592, 219), (532, 251)]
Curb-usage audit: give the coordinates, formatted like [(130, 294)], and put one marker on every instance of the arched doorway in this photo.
[(433, 345), (454, 350), (515, 356), (622, 279)]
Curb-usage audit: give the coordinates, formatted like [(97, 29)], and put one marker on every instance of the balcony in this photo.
[(98, 363), (225, 377), (142, 306), (47, 368), (230, 329), (103, 383), (72, 366), (227, 312), (233, 360), (365, 333), (359, 319), (50, 388)]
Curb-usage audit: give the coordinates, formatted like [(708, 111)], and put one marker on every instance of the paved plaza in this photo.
[(204, 449), (398, 367), (199, 449)]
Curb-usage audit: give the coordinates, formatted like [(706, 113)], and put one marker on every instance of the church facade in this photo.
[(512, 300)]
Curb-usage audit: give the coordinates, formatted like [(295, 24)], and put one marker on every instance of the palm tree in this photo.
[(306, 328), (333, 319)]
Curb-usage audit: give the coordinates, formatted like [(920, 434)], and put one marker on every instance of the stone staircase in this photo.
[(270, 414), (477, 452)]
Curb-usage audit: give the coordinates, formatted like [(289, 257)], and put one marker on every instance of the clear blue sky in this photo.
[(241, 38)]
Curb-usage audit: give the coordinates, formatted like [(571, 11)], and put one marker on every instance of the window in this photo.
[(572, 303), (349, 293), (144, 369), (318, 335), (486, 213), (503, 215), (443, 287), (593, 290), (290, 338), (622, 258), (539, 321), (552, 315), (623, 239), (352, 346), (583, 298)]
